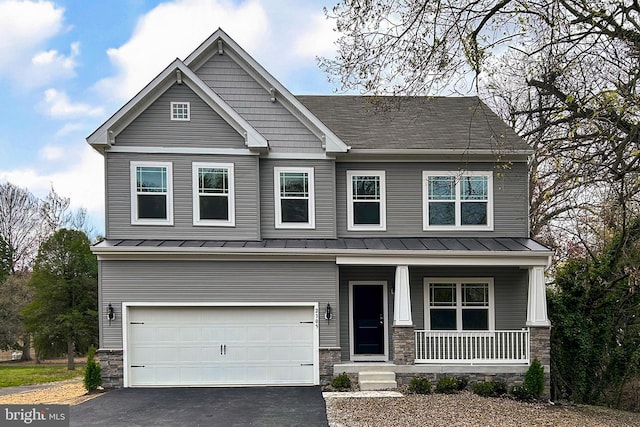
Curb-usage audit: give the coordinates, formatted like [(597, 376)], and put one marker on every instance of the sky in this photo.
[(67, 66)]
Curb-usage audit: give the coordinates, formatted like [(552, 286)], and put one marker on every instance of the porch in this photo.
[(472, 347)]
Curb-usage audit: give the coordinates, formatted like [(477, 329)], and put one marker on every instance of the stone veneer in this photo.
[(540, 342), (111, 367), (328, 358), (404, 349)]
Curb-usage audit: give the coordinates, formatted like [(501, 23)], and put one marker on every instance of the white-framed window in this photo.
[(180, 111), (294, 197), (213, 194), (459, 304), (151, 193), (366, 201), (457, 200)]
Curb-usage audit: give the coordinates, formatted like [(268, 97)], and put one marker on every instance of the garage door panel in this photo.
[(183, 346)]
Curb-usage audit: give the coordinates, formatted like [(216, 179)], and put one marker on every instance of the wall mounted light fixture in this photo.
[(328, 313), (111, 313)]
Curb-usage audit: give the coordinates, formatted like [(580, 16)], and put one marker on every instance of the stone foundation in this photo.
[(404, 349), (541, 349), (328, 358), (111, 367)]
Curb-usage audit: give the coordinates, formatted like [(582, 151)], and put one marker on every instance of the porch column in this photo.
[(404, 352), (537, 304), (402, 298)]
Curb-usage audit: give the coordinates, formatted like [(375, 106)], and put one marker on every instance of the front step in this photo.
[(377, 380)]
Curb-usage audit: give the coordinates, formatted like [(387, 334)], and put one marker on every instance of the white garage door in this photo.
[(198, 346)]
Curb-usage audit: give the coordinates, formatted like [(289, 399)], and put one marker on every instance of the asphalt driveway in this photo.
[(255, 406)]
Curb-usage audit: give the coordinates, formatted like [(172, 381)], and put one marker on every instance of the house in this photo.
[(258, 238)]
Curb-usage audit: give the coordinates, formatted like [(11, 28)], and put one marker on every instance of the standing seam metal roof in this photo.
[(399, 244)]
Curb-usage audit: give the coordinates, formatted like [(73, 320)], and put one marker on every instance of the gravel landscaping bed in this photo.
[(464, 409), (467, 409), (69, 393)]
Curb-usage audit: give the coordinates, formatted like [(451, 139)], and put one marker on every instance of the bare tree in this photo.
[(565, 72), (21, 227)]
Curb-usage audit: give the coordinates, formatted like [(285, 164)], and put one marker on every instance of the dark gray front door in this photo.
[(368, 319)]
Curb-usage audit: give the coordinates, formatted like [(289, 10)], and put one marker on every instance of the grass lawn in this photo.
[(24, 375)]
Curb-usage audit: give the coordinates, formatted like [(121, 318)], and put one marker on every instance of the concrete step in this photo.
[(377, 380)]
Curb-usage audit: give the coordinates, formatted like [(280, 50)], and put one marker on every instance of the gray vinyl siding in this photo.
[(154, 127), (404, 199), (325, 209), (511, 285), (118, 190), (510, 291), (284, 132), (216, 281)]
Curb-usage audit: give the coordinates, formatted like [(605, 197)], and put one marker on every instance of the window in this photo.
[(294, 198), (366, 209), (457, 200), (180, 111), (459, 304), (213, 194), (151, 193)]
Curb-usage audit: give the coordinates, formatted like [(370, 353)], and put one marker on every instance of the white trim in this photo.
[(231, 215), (382, 201), (134, 193), (451, 258), (458, 226), (297, 156), (385, 313), (127, 304), (311, 199), (181, 150), (402, 298), (442, 151), (180, 119), (458, 281), (537, 299)]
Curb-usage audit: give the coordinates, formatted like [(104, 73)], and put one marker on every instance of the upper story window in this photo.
[(366, 201), (457, 200), (459, 304), (294, 197), (180, 111), (213, 194), (151, 193)]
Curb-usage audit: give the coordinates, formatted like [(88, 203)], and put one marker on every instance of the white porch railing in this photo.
[(477, 347)]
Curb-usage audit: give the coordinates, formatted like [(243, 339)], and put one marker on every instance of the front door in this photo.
[(368, 321)]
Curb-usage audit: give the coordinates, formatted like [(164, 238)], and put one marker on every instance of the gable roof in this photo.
[(220, 43), (415, 123), (176, 72)]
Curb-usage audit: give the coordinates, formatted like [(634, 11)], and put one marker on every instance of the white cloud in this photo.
[(69, 128), (26, 27), (173, 30), (52, 61), (317, 39), (52, 152), (81, 180), (58, 105)]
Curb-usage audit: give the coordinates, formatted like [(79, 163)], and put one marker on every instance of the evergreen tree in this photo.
[(63, 316)]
